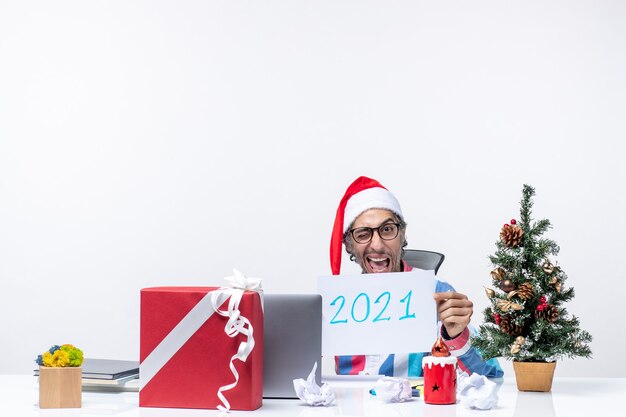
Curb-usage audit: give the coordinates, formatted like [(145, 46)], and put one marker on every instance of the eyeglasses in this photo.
[(387, 231)]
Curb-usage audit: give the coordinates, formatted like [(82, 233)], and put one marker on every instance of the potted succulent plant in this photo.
[(526, 320), (60, 377)]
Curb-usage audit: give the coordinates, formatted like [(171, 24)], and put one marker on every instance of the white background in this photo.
[(148, 143)]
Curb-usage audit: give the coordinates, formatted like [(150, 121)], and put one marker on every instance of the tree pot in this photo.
[(534, 376), (60, 387)]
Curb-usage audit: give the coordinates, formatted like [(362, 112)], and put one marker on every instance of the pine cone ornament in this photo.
[(548, 312), (525, 291), (511, 235), (509, 326)]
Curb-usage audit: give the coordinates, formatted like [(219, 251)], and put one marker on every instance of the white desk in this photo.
[(569, 397)]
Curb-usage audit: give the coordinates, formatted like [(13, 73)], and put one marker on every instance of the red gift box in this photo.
[(185, 353)]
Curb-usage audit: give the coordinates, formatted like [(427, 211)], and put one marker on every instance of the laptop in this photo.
[(107, 369), (292, 341)]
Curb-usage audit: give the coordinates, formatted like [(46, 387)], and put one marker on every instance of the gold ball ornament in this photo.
[(520, 340), (490, 292), (547, 267), (507, 285), (515, 348)]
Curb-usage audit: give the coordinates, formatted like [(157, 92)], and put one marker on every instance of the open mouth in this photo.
[(378, 263)]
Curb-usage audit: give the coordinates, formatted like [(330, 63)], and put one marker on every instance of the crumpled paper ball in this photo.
[(476, 391), (311, 393), (393, 390)]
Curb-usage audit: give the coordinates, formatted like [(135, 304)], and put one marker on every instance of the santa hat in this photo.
[(363, 194)]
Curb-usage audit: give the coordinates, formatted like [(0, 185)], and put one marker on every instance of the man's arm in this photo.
[(455, 311)]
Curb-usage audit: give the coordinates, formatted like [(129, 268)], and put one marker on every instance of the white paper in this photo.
[(476, 391), (378, 313), (393, 390), (311, 393)]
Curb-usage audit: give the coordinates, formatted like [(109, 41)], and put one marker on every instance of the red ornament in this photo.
[(541, 307), (440, 349), (513, 221), (498, 319), (542, 299)]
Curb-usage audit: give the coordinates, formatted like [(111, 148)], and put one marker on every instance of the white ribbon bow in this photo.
[(242, 282), (237, 324)]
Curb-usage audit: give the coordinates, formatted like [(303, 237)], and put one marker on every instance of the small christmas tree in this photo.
[(526, 320)]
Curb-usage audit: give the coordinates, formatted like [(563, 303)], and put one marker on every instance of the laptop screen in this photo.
[(292, 341)]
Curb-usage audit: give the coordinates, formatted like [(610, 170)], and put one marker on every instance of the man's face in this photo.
[(377, 255)]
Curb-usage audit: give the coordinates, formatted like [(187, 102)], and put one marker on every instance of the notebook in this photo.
[(292, 341)]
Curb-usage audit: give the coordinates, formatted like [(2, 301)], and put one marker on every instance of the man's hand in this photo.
[(454, 310)]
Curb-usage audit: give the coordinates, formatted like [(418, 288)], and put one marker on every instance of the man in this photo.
[(369, 222)]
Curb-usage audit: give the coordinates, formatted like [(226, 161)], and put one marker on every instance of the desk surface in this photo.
[(569, 397)]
